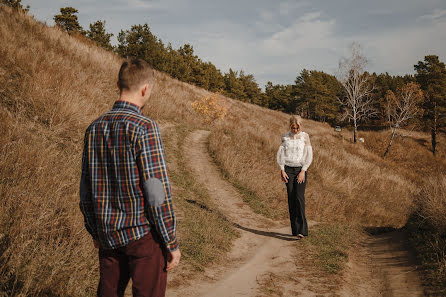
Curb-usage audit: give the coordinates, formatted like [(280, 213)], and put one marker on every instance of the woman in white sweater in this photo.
[(294, 157)]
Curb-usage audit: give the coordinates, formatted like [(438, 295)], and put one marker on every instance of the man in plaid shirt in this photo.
[(125, 193)]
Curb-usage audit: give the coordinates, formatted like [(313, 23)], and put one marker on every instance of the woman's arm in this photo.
[(281, 162), (281, 157), (308, 153)]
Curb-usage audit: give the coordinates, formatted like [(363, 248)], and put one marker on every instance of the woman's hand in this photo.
[(284, 176), (301, 177)]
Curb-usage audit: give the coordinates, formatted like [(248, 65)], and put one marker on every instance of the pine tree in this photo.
[(233, 86), (187, 54), (216, 79), (139, 42), (98, 34), (250, 88), (67, 20), (279, 97), (315, 95), (16, 4), (431, 75)]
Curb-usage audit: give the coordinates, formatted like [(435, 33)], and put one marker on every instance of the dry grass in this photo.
[(347, 182), (412, 157), (432, 203), (329, 246), (45, 105), (52, 86), (205, 234), (427, 229)]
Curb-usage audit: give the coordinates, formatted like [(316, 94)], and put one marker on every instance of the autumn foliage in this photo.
[(210, 107)]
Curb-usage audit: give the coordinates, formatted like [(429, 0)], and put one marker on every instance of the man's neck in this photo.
[(131, 99)]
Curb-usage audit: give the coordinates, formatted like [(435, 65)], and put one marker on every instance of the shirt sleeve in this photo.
[(86, 203), (155, 184), (281, 156), (308, 153)]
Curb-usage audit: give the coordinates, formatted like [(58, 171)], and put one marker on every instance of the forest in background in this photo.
[(314, 95)]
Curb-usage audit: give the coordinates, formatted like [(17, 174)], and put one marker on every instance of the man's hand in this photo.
[(96, 243), (284, 176), (301, 177), (173, 258)]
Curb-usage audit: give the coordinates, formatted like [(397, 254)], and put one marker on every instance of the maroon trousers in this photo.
[(143, 260)]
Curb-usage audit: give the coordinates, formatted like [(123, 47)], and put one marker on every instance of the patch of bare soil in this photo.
[(383, 265)]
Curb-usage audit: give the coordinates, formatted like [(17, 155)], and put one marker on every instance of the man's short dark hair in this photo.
[(134, 73)]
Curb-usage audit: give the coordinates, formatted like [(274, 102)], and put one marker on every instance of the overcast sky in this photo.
[(275, 40)]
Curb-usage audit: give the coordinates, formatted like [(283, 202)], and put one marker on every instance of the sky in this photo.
[(275, 40)]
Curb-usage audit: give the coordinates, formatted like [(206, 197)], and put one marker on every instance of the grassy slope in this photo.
[(347, 182), (52, 86)]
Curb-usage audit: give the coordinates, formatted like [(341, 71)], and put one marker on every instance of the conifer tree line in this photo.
[(314, 95)]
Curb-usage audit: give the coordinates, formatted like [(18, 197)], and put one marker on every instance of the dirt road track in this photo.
[(264, 246), (381, 265)]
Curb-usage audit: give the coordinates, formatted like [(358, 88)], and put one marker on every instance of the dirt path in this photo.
[(381, 265), (264, 247)]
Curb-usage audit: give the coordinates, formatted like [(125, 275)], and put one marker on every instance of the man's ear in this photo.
[(144, 89)]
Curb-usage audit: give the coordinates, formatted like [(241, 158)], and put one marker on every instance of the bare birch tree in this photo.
[(402, 107), (357, 102)]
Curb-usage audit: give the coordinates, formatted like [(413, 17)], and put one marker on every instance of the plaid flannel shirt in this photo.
[(124, 189)]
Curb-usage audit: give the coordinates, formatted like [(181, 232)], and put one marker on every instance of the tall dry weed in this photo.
[(427, 230), (432, 203)]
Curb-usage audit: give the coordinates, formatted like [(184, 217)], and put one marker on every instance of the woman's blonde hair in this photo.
[(295, 119)]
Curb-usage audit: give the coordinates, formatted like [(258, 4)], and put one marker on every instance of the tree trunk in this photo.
[(434, 130), (390, 142), (355, 131), (434, 140)]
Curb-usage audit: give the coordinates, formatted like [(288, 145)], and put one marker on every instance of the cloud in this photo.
[(275, 40), (291, 7), (309, 32), (135, 7), (308, 42), (141, 4), (398, 49), (436, 15)]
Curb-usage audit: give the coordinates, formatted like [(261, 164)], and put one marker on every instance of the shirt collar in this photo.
[(120, 104), (290, 134)]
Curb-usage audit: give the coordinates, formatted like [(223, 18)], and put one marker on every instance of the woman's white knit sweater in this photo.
[(295, 151)]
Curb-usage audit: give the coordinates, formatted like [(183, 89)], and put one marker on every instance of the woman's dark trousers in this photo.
[(296, 201)]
